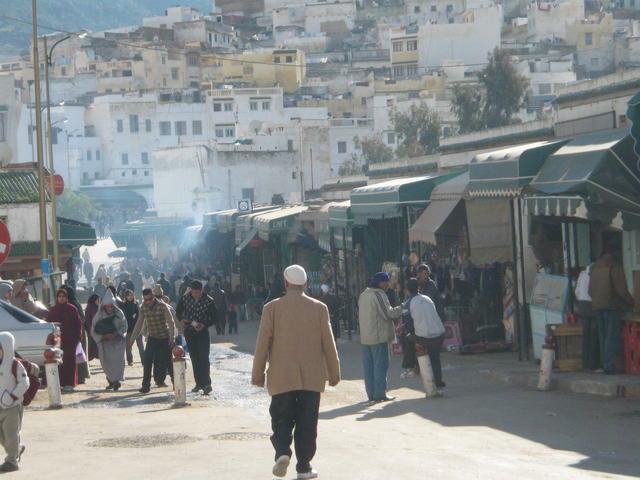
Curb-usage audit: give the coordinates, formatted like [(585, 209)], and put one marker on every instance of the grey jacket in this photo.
[(376, 317)]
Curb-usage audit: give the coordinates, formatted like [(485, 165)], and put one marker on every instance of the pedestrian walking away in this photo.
[(295, 338), (220, 297), (92, 308), (109, 330), (376, 316), (198, 312), (68, 317), (425, 327), (155, 315), (14, 383), (83, 366)]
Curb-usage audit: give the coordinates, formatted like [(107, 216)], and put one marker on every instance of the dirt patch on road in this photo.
[(144, 441), (239, 436)]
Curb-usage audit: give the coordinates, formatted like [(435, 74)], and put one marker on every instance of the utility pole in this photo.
[(39, 149), (52, 193)]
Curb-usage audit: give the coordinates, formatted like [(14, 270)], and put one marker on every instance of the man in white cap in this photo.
[(295, 338)]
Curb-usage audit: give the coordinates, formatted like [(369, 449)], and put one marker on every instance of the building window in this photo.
[(398, 71), (391, 138), (164, 60), (434, 8), (266, 105), (276, 59), (144, 157), (412, 45), (228, 107), (85, 175), (412, 70), (97, 154), (147, 125), (248, 193), (253, 106), (133, 123), (230, 132), (363, 101), (96, 175), (289, 59), (342, 147), (3, 127), (165, 128), (123, 174), (416, 9), (89, 155), (146, 173), (125, 159), (290, 145), (196, 127), (119, 126), (544, 88), (181, 128), (595, 62), (164, 81), (217, 107), (390, 102), (192, 60), (63, 71), (219, 132), (134, 172), (174, 74), (588, 38), (632, 3), (247, 70), (397, 46)]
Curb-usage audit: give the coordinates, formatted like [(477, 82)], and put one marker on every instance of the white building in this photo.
[(9, 119), (470, 40), (548, 21)]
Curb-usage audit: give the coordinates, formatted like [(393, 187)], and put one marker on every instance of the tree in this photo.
[(505, 90), (419, 129), (373, 149), (75, 206), (467, 106), (502, 93)]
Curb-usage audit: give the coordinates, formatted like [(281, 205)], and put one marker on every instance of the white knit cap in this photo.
[(325, 288), (295, 275)]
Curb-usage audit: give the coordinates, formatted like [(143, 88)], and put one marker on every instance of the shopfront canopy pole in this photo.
[(524, 337), (346, 284), (517, 324)]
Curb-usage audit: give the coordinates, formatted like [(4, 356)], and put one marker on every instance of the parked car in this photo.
[(33, 336)]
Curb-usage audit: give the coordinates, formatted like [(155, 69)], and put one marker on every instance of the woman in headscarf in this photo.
[(131, 312), (92, 308), (68, 317), (102, 273), (109, 330), (22, 298), (83, 368)]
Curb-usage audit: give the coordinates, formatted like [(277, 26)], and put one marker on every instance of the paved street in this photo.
[(482, 429)]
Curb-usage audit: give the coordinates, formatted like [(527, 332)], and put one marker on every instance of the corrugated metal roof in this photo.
[(19, 187)]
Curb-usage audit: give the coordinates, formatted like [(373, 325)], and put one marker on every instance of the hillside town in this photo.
[(479, 155)]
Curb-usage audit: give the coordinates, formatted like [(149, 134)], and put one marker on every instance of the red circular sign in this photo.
[(5, 242), (58, 185)]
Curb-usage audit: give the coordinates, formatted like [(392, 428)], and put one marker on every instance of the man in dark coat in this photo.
[(197, 312), (167, 288), (220, 297)]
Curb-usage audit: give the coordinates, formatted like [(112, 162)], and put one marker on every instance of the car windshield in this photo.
[(18, 314)]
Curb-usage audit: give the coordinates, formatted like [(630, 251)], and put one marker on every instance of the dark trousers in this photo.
[(433, 346), (157, 357), (221, 323), (408, 353), (233, 324), (198, 343), (297, 410), (610, 326), (590, 340), (335, 328)]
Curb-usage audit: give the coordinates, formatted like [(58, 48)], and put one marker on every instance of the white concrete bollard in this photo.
[(53, 378), (546, 367), (179, 377), (426, 372)]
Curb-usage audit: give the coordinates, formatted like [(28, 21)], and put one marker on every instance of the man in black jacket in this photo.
[(197, 312)]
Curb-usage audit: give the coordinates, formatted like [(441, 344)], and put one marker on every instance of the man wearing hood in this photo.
[(6, 291), (376, 317), (109, 330), (22, 298), (12, 388)]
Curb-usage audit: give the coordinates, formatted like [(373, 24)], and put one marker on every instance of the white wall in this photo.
[(470, 42), (548, 20), (22, 221)]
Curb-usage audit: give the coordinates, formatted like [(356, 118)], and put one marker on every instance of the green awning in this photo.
[(340, 215), (219, 220), (277, 221), (504, 173), (602, 168), (73, 233), (633, 113), (386, 199)]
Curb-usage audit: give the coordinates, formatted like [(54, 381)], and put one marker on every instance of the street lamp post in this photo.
[(39, 147)]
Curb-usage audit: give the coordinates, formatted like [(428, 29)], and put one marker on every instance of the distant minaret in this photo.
[(215, 10)]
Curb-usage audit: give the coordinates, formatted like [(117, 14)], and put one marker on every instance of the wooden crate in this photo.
[(568, 339)]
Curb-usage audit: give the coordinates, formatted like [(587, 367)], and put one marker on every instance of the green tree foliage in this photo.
[(75, 206), (419, 130), (501, 94), (467, 106), (372, 150)]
